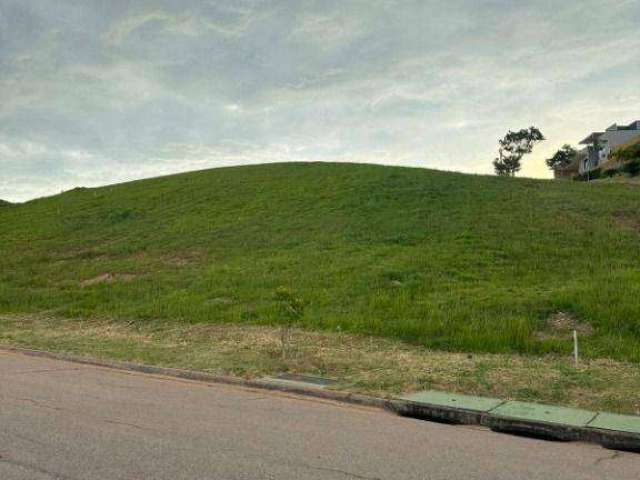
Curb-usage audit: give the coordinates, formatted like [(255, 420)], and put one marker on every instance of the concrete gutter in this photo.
[(618, 432)]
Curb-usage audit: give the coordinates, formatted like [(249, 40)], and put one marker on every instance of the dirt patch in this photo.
[(628, 220), (561, 324), (185, 258), (220, 301), (108, 278), (178, 261)]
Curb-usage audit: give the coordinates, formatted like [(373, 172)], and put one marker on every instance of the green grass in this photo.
[(448, 261)]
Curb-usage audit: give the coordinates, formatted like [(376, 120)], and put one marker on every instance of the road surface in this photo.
[(61, 420)]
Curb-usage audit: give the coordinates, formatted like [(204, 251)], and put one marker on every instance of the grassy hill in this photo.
[(450, 261)]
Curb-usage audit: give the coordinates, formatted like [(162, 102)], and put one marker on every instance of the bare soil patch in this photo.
[(628, 220), (108, 278)]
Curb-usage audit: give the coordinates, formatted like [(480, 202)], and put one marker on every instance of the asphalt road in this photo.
[(62, 420)]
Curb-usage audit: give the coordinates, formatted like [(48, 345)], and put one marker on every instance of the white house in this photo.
[(601, 144)]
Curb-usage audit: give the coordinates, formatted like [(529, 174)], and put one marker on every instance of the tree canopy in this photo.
[(513, 147), (562, 158)]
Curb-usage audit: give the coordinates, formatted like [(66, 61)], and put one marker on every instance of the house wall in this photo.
[(610, 140), (588, 159), (564, 173)]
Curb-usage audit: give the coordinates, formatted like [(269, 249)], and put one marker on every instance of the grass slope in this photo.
[(450, 261)]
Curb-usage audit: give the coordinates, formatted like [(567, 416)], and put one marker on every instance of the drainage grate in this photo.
[(317, 381)]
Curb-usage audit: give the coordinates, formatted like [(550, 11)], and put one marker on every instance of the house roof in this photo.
[(591, 138), (613, 128), (632, 126)]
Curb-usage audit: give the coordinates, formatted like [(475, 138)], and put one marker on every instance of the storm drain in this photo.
[(303, 381)]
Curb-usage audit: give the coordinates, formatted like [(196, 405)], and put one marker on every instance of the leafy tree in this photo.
[(513, 147), (562, 158)]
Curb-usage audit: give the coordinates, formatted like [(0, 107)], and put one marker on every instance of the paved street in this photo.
[(62, 420)]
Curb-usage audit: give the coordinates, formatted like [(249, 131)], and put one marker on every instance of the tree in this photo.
[(513, 147), (562, 158)]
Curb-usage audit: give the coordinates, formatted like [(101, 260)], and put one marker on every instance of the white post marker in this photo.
[(575, 346)]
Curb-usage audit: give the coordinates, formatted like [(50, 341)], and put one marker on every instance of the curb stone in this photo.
[(445, 407), (501, 418), (435, 413), (541, 421), (611, 439), (542, 430), (615, 440)]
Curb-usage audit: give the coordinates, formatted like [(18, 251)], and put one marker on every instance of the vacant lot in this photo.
[(441, 260)]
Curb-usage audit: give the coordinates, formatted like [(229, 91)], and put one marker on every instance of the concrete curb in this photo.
[(611, 439), (530, 428), (435, 413), (494, 420), (614, 440)]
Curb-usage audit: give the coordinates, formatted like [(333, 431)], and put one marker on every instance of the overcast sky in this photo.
[(101, 91)]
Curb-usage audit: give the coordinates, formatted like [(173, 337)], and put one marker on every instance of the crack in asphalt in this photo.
[(337, 470), (49, 370), (105, 420), (116, 422), (28, 439), (34, 468), (37, 403), (612, 456)]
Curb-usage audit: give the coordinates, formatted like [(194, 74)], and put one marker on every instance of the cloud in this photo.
[(183, 24), (94, 92), (327, 32), (219, 17)]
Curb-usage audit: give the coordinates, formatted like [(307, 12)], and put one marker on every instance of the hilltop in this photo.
[(446, 260)]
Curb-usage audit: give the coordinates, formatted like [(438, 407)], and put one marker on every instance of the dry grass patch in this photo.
[(561, 325)]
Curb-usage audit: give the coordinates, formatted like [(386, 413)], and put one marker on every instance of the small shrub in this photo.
[(629, 153), (586, 176), (610, 172), (632, 168), (595, 174), (290, 310), (118, 215)]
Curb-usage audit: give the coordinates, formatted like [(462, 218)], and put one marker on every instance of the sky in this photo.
[(94, 92)]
